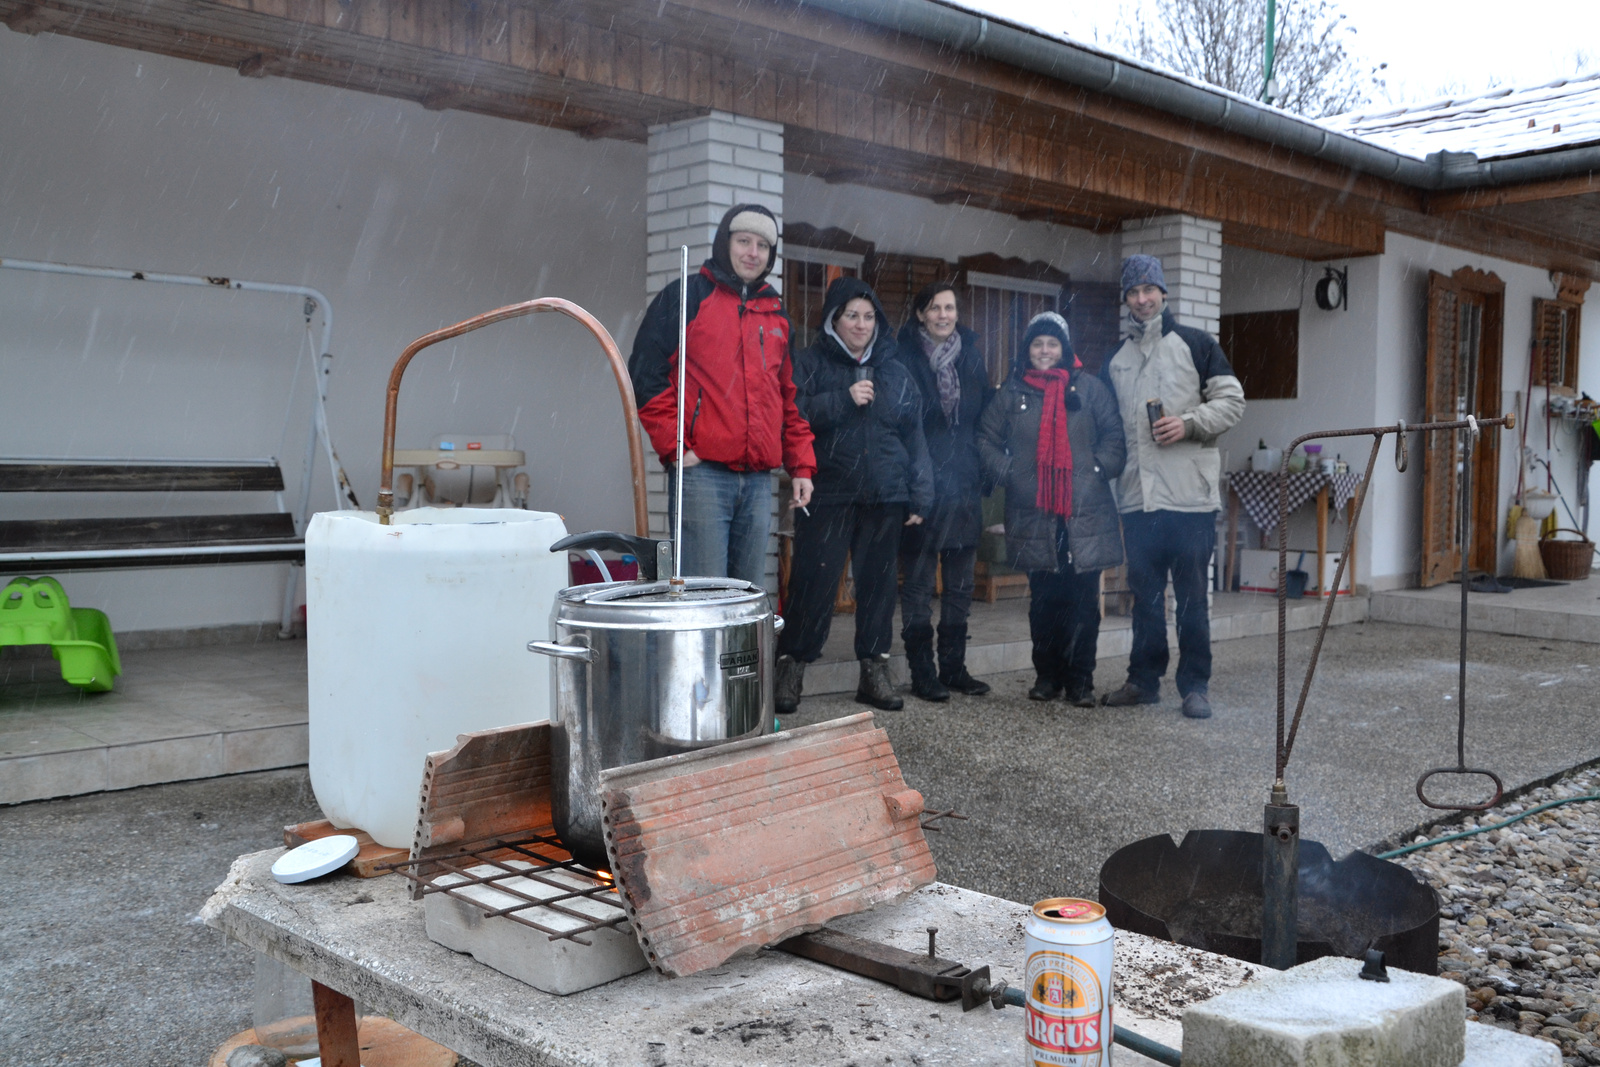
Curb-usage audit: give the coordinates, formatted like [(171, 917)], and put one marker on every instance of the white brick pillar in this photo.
[(698, 169), (1190, 251)]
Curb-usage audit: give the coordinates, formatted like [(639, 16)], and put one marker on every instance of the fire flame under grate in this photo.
[(540, 863)]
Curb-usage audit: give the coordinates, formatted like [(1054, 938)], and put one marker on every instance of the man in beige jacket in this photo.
[(1177, 394)]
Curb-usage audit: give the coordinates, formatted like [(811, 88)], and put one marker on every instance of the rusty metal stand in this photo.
[(1281, 819)]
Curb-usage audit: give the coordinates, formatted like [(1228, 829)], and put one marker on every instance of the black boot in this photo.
[(876, 688), (787, 684), (919, 655), (953, 662)]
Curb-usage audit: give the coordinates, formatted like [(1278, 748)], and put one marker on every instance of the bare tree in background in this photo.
[(1222, 42)]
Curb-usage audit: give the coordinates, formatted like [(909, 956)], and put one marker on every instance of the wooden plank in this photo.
[(138, 478), (1527, 193), (493, 783), (721, 851), (368, 862)]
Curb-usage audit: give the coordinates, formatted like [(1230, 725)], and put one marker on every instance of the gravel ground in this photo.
[(1520, 924)]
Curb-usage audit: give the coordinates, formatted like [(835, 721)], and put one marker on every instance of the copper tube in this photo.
[(619, 370)]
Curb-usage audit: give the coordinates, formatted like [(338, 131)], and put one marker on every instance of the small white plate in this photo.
[(315, 858)]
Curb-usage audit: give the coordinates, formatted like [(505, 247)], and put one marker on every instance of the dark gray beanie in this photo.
[(1142, 270)]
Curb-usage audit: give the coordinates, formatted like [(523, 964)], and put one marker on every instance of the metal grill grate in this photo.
[(525, 867)]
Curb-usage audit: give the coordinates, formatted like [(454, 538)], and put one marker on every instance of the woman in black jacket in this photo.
[(873, 479), (1053, 438), (943, 359)]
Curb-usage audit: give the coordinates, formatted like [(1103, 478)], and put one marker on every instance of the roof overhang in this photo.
[(861, 101)]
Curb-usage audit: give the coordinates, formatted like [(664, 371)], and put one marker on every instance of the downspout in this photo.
[(961, 31)]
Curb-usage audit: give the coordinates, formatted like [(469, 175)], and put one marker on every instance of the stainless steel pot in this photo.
[(642, 672)]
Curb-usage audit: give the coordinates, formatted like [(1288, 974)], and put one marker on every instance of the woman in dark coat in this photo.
[(943, 359), (873, 480), (1053, 438)]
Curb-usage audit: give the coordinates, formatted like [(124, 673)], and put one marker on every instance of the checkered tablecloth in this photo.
[(1258, 492)]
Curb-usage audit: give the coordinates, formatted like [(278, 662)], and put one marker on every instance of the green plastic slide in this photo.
[(35, 611)]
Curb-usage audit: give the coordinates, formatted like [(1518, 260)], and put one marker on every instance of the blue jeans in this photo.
[(727, 516), (1179, 543)]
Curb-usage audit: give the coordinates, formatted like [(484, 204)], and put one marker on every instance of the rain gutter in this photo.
[(963, 31)]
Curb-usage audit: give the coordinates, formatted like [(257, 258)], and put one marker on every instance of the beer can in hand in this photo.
[(1069, 945)]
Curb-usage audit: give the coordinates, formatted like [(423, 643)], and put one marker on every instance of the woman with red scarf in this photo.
[(1053, 439)]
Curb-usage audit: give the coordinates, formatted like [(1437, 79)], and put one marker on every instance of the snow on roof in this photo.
[(1506, 122)]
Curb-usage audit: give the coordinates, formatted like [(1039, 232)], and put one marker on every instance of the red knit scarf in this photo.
[(1055, 450)]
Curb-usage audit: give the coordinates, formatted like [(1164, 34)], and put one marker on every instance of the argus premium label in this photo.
[(1068, 1009)]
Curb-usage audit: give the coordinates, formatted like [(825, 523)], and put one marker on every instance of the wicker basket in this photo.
[(1567, 561)]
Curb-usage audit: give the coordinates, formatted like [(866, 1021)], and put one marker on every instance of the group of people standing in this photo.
[(891, 440)]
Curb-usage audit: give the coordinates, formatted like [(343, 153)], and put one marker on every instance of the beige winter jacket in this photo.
[(1186, 370)]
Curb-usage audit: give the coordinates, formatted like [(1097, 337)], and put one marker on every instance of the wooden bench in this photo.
[(47, 545)]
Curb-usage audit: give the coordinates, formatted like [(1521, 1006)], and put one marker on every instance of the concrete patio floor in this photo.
[(104, 963), (1570, 611), (197, 712)]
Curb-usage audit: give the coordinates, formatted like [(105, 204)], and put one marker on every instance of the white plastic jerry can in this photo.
[(417, 632)]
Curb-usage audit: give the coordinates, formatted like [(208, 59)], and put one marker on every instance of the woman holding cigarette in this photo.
[(1054, 440), (873, 479)]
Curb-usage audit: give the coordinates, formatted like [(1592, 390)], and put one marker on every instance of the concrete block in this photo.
[(771, 162), (772, 183), (763, 125), (555, 966), (1322, 1014), (1490, 1046), (772, 142)]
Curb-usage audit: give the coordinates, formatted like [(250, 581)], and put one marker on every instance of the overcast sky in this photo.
[(1429, 45)]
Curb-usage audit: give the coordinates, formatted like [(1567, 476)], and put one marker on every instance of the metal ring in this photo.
[(1499, 789), (1402, 451)]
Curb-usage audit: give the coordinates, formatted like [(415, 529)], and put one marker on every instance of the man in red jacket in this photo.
[(740, 419)]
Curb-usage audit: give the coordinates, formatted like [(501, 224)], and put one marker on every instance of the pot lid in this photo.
[(696, 592)]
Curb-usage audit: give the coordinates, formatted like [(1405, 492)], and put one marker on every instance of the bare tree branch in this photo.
[(1222, 42)]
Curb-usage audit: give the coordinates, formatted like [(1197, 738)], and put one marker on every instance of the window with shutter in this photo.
[(1555, 345)]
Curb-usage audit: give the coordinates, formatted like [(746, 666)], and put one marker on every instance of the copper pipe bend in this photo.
[(619, 370)]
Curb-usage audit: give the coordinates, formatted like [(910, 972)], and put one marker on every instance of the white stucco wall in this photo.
[(1366, 366), (407, 219), (911, 225)]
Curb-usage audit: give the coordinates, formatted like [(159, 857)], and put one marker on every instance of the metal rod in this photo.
[(67, 556), (1506, 421), (683, 385), (619, 371), (1280, 881), (1468, 439)]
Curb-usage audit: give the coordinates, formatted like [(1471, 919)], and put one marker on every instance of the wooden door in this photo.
[(1463, 376)]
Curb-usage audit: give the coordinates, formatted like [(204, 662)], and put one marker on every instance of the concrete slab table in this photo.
[(364, 939)]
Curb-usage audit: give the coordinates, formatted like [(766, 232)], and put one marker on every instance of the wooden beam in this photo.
[(31, 18), (1528, 193)]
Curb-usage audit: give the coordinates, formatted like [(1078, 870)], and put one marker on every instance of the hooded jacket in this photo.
[(957, 516), (1008, 440), (866, 453), (1186, 370), (740, 406)]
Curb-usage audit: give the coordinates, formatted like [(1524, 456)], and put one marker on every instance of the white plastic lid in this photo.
[(315, 858)]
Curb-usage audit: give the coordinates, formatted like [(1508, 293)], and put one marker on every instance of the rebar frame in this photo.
[(500, 853)]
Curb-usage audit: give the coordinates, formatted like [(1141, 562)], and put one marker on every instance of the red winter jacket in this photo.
[(741, 410)]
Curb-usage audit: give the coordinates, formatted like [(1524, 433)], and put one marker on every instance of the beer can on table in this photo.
[(1069, 945)]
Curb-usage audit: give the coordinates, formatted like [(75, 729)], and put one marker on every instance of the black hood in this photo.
[(721, 262), (840, 293)]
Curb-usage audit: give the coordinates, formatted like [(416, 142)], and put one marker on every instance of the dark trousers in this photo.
[(1178, 543), (871, 536), (920, 568), (1064, 620)]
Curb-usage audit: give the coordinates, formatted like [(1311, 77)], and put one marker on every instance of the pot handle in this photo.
[(777, 623), (550, 648)]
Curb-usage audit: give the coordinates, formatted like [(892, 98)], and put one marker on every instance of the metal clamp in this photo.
[(550, 648), (1402, 451)]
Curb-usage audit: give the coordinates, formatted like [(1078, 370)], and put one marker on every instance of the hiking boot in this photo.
[(925, 681), (962, 682), (1044, 689), (953, 662), (1196, 706), (1129, 695), (1081, 696), (876, 687), (787, 685)]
